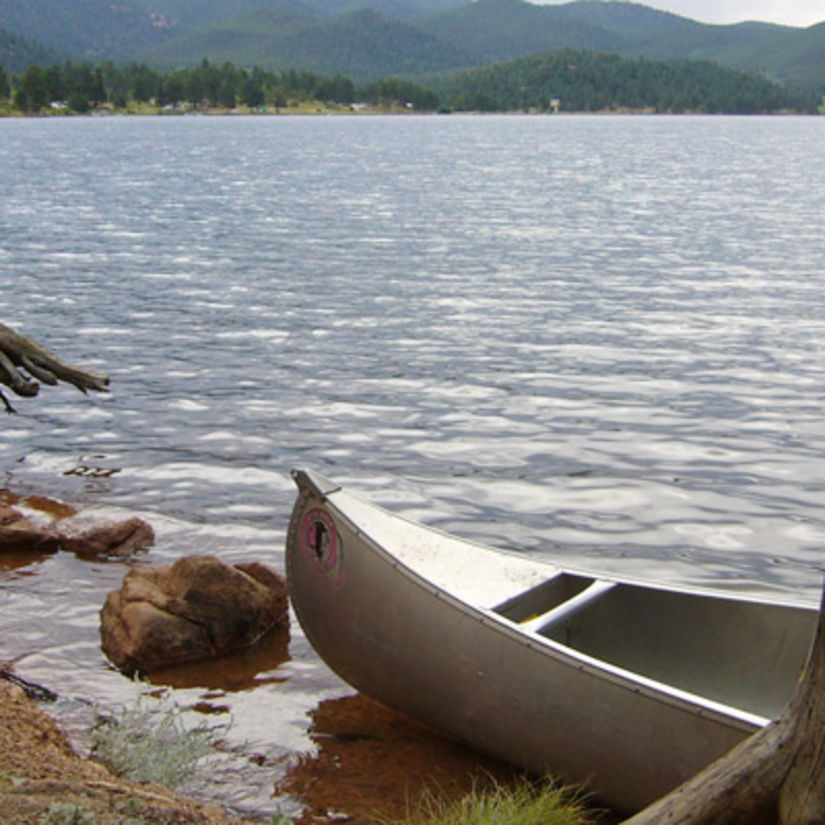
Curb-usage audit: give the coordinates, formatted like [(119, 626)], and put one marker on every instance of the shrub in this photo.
[(526, 803), (151, 744)]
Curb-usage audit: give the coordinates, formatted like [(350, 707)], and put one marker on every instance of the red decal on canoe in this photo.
[(320, 541)]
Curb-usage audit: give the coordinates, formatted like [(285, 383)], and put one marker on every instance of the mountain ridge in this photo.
[(368, 39)]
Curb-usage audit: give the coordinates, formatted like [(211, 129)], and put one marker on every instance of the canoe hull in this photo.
[(394, 636)]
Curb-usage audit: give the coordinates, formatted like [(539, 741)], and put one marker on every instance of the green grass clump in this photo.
[(525, 803), (151, 745)]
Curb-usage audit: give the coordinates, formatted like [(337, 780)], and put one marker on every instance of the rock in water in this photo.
[(119, 539), (198, 608), (40, 524), (18, 533)]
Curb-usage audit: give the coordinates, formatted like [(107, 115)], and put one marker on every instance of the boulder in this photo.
[(119, 539), (198, 608)]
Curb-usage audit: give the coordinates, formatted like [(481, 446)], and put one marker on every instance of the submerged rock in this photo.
[(198, 608)]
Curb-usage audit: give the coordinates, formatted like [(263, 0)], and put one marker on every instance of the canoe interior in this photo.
[(742, 653), (739, 653)]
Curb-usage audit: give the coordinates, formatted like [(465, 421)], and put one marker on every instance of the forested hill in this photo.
[(588, 81), (363, 45), (101, 29), (368, 39), (372, 43), (559, 81), (91, 28), (501, 29), (18, 52), (184, 14)]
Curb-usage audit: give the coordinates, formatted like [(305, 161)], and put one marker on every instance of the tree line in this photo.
[(566, 81), (82, 86)]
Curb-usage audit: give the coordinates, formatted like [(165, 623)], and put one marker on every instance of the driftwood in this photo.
[(776, 776), (22, 360), (31, 689)]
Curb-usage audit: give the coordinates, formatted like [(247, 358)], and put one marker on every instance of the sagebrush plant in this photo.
[(522, 803), (152, 744)]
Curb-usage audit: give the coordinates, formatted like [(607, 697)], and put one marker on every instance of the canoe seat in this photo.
[(537, 624)]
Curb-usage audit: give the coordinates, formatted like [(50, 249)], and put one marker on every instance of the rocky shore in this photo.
[(368, 760), (41, 775)]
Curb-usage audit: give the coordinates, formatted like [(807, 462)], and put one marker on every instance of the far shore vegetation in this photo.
[(565, 81)]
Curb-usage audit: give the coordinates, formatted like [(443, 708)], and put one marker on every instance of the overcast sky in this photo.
[(787, 12)]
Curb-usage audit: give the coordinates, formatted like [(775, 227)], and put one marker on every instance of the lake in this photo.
[(594, 338)]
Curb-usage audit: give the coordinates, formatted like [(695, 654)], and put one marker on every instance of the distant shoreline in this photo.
[(343, 111)]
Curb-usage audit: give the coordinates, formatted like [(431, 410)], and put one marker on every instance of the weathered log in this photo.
[(775, 776), (24, 362), (802, 796)]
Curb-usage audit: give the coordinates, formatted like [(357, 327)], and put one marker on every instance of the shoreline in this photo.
[(318, 109), (373, 766), (366, 759), (40, 772)]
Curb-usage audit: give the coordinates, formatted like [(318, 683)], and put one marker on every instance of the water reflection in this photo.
[(373, 760), (246, 669), (21, 559)]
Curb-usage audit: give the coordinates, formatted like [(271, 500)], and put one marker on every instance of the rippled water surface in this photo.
[(595, 338)]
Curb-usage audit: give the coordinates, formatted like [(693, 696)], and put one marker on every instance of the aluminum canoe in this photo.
[(629, 688)]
